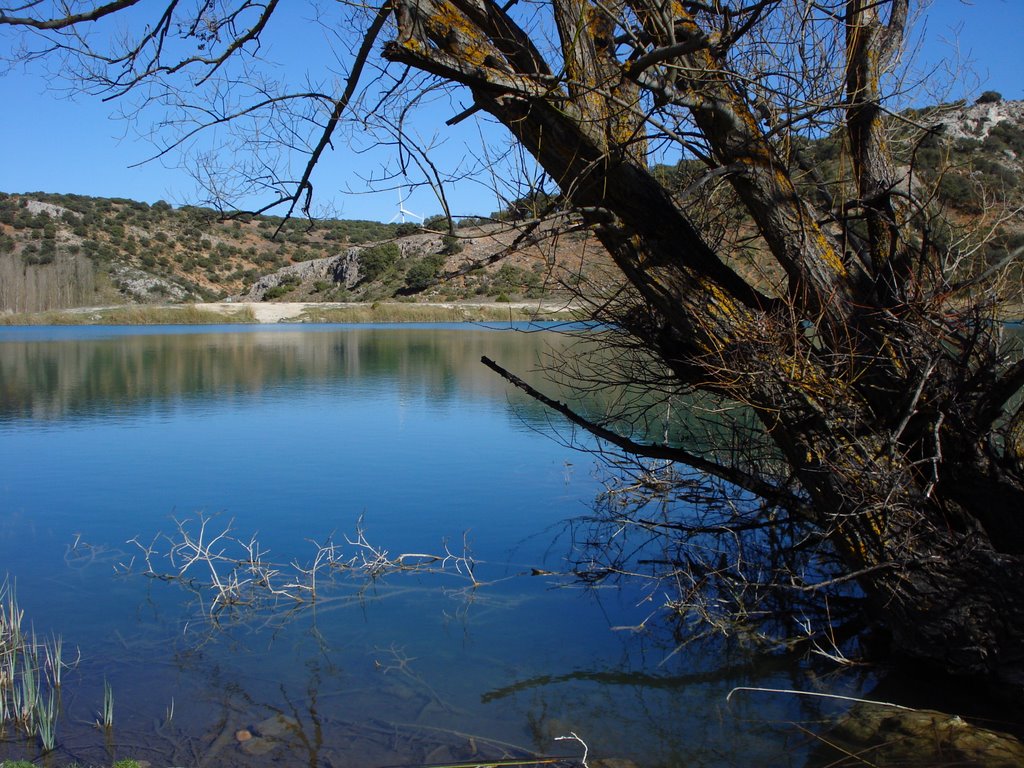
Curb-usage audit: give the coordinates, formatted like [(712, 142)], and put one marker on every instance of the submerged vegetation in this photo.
[(231, 573)]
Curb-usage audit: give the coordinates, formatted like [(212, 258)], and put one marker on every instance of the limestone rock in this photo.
[(885, 736)]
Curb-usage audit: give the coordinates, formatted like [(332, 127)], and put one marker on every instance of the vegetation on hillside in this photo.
[(59, 251), (62, 250)]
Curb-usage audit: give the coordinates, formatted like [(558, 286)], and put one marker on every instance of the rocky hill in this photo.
[(59, 251)]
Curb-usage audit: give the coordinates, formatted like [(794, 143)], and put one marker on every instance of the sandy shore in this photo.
[(264, 312)]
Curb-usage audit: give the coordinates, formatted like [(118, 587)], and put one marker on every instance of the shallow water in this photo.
[(295, 434)]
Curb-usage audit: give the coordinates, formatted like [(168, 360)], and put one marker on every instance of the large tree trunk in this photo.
[(878, 395)]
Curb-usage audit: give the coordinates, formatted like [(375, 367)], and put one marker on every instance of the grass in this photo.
[(30, 673), (184, 314), (382, 311), (108, 705), (376, 312), (407, 312)]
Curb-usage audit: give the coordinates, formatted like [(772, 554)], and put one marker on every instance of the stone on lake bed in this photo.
[(277, 726), (921, 739), (258, 746), (266, 735)]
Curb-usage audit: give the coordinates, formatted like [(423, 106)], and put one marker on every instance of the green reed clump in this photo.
[(30, 673), (108, 705)]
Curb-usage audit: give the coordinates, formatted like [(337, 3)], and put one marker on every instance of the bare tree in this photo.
[(881, 433)]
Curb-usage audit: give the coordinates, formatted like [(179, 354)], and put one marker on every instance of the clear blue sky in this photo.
[(56, 145)]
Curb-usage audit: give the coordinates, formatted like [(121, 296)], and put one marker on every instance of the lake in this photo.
[(298, 437)]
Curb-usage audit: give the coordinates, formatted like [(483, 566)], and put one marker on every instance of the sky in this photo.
[(54, 144)]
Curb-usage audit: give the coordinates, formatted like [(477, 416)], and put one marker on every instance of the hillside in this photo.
[(61, 251)]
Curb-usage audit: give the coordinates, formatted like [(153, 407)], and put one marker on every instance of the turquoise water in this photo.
[(296, 434)]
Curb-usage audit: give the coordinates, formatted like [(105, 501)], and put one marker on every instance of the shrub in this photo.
[(990, 97), (277, 292), (35, 257), (958, 191), (378, 260), (423, 272), (451, 245)]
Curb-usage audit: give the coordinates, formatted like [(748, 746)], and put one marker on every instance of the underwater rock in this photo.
[(266, 735), (885, 736)]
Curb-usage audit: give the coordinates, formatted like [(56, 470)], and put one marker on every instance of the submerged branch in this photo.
[(734, 475)]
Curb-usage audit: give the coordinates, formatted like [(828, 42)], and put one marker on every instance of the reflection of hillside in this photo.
[(87, 377)]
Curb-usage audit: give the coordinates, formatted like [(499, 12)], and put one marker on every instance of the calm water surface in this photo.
[(294, 434)]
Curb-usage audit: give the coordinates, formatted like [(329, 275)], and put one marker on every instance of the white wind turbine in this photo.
[(403, 211)]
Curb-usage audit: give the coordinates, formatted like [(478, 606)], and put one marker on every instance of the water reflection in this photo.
[(295, 434), (56, 378)]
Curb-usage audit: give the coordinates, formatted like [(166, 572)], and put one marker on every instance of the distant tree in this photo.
[(377, 261), (406, 228), (990, 97), (423, 273)]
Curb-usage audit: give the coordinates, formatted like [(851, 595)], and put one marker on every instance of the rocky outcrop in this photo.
[(49, 209), (976, 121), (341, 269), (143, 287)]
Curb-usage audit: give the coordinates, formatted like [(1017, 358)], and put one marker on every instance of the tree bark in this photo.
[(872, 402)]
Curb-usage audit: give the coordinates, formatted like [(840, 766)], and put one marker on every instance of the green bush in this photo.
[(959, 192), (376, 261), (406, 228), (277, 292), (423, 272), (451, 245), (32, 255)]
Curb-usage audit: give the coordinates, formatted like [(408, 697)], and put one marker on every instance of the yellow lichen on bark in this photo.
[(461, 36)]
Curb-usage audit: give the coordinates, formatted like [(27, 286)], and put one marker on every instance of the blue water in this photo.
[(296, 434)]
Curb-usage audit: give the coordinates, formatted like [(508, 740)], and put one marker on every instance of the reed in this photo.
[(133, 314), (46, 722), (108, 705), (407, 312), (30, 674)]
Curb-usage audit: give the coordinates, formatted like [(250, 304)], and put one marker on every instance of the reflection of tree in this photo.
[(671, 719), (308, 690), (82, 377)]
